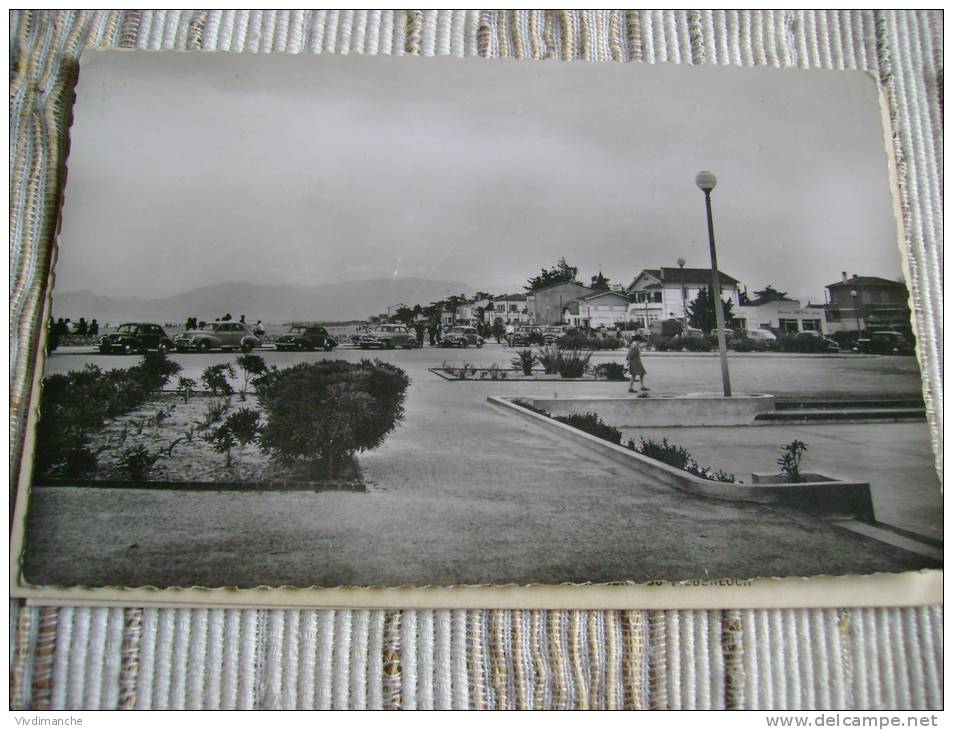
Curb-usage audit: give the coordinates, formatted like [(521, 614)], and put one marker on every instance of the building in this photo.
[(546, 305), (867, 303), (599, 309), (508, 309), (470, 313), (666, 292), (786, 315)]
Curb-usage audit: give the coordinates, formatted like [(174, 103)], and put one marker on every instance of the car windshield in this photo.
[(127, 328), (459, 330), (297, 330)]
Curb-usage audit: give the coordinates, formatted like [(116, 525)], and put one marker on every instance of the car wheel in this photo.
[(203, 346), (247, 346), (389, 344), (126, 348), (328, 347), (163, 347)]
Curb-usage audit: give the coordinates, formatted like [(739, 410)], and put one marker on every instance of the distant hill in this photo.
[(267, 302)]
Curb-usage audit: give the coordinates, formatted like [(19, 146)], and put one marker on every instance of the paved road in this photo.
[(464, 493)]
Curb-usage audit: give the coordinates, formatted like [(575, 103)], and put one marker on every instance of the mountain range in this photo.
[(354, 300)]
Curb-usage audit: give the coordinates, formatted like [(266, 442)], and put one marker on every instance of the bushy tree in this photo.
[(599, 282), (701, 311), (770, 294), (325, 411), (561, 272)]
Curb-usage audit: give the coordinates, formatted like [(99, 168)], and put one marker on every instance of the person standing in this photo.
[(419, 328), (636, 368)]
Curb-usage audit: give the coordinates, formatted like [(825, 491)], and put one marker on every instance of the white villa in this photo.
[(666, 292)]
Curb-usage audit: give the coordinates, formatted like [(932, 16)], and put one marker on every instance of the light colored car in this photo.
[(387, 337), (761, 335), (218, 336), (461, 337)]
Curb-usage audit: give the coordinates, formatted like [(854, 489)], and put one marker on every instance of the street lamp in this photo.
[(853, 295), (681, 275), (706, 181)]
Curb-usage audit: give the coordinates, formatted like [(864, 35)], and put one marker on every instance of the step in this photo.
[(895, 536), (844, 414), (822, 404)]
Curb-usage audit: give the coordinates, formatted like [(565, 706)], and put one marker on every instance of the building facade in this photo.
[(600, 309), (546, 305), (867, 303), (666, 292), (785, 315), (508, 309)]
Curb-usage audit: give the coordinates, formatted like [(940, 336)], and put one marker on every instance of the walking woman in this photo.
[(636, 368)]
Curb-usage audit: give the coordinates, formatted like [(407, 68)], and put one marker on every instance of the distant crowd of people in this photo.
[(193, 323)]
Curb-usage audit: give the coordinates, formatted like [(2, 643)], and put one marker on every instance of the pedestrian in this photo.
[(93, 328), (420, 334), (53, 340), (82, 328), (432, 334), (259, 329), (636, 368)]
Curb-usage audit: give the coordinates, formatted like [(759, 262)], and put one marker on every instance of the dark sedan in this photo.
[(136, 337), (306, 337)]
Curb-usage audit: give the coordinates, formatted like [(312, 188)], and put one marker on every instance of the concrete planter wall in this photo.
[(692, 409), (831, 499), (818, 494)]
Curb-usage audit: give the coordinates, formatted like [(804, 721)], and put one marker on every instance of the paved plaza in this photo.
[(464, 493)]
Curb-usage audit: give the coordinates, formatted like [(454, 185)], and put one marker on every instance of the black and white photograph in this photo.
[(342, 321)]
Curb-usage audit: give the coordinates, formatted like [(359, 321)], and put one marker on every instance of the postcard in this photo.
[(455, 332)]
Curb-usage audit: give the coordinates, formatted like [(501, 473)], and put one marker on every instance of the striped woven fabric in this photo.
[(82, 658)]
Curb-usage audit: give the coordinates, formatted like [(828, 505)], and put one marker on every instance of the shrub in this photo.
[(215, 411), (137, 461), (678, 457), (579, 341), (548, 357), (324, 411), (572, 363), (252, 366), (535, 337), (592, 424), (530, 407), (696, 344), (741, 344), (154, 371), (790, 460), (610, 370), (185, 387), (239, 429), (803, 343), (216, 378), (525, 360)]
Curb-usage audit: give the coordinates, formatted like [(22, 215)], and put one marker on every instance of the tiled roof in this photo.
[(867, 281), (687, 275)]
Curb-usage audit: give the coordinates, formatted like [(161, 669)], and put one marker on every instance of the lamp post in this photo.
[(706, 181), (853, 295), (681, 288)]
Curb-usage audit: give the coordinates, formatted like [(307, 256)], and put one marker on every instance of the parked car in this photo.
[(762, 335), (694, 332), (884, 343), (387, 337), (218, 336), (551, 334), (729, 333), (136, 337), (461, 337), (826, 343), (305, 337), (522, 335)]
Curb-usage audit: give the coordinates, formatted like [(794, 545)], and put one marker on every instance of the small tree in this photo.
[(701, 311), (525, 360), (239, 429), (770, 294), (790, 460), (251, 366), (216, 378), (325, 411), (599, 282)]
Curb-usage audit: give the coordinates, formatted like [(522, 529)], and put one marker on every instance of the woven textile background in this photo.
[(81, 658)]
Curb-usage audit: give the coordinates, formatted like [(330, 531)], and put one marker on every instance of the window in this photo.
[(657, 297), (810, 325)]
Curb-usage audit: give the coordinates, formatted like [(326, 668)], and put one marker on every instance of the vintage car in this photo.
[(136, 337), (305, 337), (884, 343), (761, 335), (218, 336), (461, 337), (387, 337), (822, 343), (525, 336)]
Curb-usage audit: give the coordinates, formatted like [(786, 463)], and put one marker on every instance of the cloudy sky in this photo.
[(193, 169)]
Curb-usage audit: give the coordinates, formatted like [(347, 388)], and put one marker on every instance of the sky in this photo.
[(192, 169)]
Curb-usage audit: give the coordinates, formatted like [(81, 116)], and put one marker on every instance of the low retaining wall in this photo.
[(831, 500), (692, 409)]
